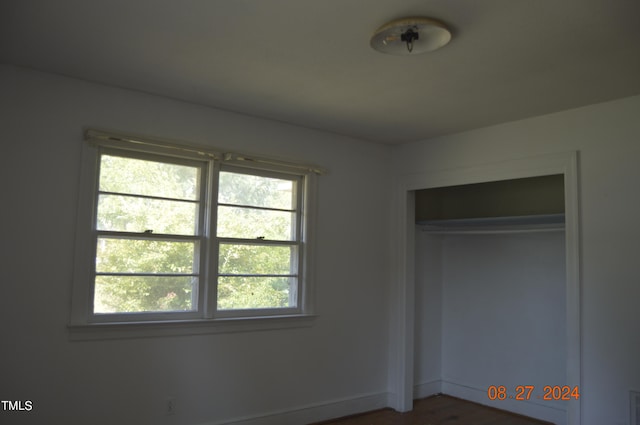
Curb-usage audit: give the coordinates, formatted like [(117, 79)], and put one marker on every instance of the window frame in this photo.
[(210, 162), (297, 242), (200, 237)]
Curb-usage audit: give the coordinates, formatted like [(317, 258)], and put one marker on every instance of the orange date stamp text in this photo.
[(527, 392)]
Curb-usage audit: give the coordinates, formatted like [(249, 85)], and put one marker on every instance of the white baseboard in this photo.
[(315, 412), (528, 408), (427, 388)]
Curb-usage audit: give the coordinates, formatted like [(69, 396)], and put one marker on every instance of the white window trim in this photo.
[(83, 324)]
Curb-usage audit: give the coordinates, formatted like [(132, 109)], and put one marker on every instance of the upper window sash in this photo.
[(294, 208), (198, 199)]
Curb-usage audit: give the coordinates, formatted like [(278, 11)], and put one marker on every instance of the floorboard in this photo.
[(439, 410)]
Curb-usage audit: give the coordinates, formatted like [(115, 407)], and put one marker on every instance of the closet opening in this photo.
[(490, 305), (488, 294)]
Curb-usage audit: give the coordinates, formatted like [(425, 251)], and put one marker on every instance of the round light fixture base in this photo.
[(410, 36)]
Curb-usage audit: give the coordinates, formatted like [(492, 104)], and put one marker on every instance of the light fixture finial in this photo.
[(408, 36)]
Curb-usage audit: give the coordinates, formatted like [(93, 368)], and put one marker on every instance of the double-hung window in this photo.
[(149, 234), (170, 233), (258, 231)]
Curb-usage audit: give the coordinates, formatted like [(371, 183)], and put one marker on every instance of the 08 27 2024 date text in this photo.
[(527, 392)]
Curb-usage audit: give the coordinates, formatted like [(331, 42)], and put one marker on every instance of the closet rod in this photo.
[(492, 231)]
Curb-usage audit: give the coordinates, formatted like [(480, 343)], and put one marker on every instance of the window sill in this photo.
[(154, 329)]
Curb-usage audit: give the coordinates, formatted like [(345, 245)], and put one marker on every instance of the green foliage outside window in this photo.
[(146, 274)]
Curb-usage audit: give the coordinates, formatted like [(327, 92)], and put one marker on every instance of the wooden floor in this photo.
[(439, 410)]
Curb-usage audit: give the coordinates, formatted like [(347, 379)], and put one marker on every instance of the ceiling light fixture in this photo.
[(410, 36)]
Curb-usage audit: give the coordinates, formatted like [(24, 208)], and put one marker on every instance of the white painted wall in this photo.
[(504, 318), (332, 368), (607, 137)]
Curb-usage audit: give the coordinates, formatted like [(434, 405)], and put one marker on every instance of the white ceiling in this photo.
[(309, 62)]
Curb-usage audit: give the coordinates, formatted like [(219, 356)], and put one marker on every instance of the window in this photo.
[(258, 240), (176, 233)]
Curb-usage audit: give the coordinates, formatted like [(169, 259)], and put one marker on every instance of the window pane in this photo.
[(130, 294), (255, 292), (256, 191), (235, 222), (150, 178), (132, 214), (255, 259), (144, 256)]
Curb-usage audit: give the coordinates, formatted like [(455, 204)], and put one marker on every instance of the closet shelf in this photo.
[(513, 224)]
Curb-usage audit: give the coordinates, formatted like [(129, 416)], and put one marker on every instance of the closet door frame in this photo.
[(402, 336)]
